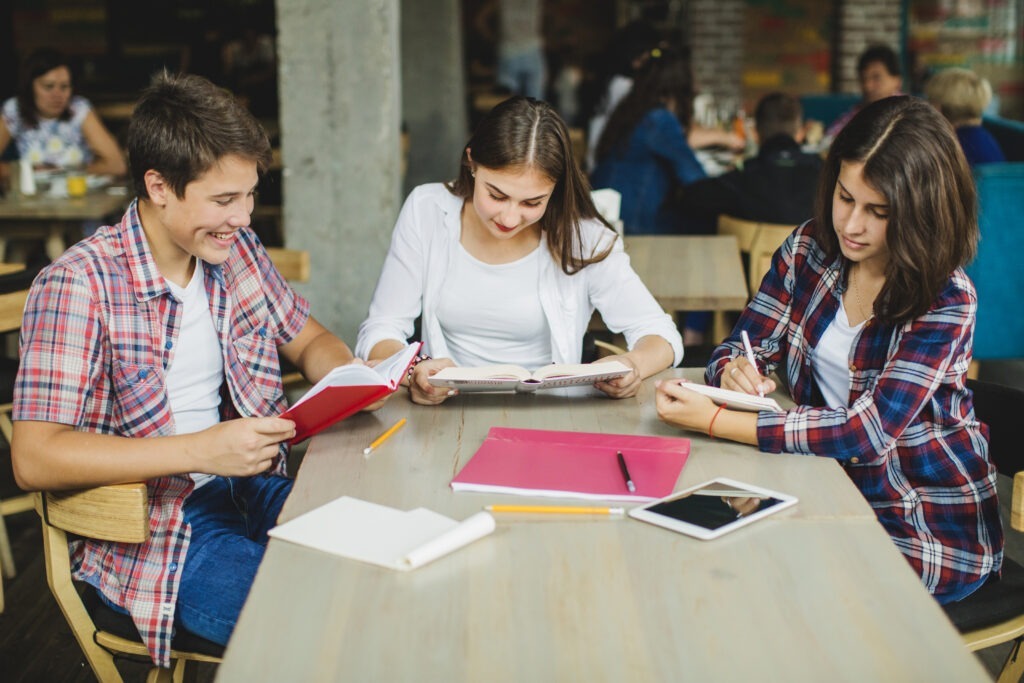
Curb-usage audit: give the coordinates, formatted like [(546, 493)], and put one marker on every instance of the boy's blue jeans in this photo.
[(230, 517)]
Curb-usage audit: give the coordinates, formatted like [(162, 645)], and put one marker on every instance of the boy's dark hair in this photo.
[(523, 133), (912, 158), (778, 113), (41, 61), (882, 54), (183, 124)]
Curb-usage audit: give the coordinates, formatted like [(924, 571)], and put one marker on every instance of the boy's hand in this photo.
[(242, 447)]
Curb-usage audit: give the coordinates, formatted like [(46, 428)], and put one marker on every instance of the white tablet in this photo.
[(713, 508)]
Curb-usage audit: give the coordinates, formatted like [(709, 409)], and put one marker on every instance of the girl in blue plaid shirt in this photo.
[(868, 318)]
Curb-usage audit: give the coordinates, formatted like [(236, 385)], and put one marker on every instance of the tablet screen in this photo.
[(714, 506)]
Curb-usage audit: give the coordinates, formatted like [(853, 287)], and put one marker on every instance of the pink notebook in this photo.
[(538, 462)]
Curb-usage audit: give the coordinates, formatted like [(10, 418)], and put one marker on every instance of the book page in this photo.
[(386, 373), (484, 372), (556, 370)]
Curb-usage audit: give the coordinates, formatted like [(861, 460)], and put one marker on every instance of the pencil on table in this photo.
[(383, 437)]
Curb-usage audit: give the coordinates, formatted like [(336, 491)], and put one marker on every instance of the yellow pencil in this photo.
[(384, 437), (557, 509)]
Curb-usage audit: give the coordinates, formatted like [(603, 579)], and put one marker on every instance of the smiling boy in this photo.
[(151, 352)]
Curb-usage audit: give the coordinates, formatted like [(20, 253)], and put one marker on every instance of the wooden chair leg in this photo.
[(1013, 667), (7, 569), (59, 577)]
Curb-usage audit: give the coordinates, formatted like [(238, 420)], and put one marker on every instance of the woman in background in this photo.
[(53, 128), (507, 264), (643, 152), (869, 317), (962, 95)]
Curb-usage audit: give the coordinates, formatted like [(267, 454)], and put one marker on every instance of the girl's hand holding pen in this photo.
[(423, 392), (740, 375)]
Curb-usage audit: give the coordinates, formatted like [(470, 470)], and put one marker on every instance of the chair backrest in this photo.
[(768, 240), (996, 272), (293, 264), (743, 230), (1000, 407), (114, 513)]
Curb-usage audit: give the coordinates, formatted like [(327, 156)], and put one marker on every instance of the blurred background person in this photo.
[(54, 128), (643, 152), (522, 68), (880, 76), (962, 96), (776, 186), (629, 48)]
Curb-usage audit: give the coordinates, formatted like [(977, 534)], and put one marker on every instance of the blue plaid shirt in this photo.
[(908, 437)]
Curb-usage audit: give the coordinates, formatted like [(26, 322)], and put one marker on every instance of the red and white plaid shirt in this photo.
[(100, 330)]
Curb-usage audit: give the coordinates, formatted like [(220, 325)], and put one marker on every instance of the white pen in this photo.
[(750, 356)]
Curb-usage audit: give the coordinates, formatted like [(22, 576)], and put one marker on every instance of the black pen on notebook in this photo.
[(625, 472), (750, 356)]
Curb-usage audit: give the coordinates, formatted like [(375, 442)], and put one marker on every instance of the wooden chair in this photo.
[(112, 513), (293, 264), (12, 499), (769, 238), (994, 614)]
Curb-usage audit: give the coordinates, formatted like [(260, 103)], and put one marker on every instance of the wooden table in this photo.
[(50, 219), (691, 273), (818, 592)]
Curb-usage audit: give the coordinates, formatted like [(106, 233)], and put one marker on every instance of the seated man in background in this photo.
[(962, 95), (776, 186), (880, 76)]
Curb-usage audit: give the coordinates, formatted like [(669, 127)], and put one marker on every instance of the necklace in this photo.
[(856, 294)]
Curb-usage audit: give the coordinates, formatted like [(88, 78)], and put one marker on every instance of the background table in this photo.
[(691, 273), (50, 219), (817, 592)]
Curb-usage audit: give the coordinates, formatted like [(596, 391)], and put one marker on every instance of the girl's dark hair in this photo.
[(522, 133), (912, 158), (665, 76), (183, 125), (41, 61)]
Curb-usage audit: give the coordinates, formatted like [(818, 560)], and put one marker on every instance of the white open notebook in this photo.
[(736, 400), (378, 534)]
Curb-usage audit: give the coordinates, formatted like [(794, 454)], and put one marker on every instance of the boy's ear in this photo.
[(157, 188)]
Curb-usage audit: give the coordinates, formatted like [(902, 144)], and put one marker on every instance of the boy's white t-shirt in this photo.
[(492, 314), (196, 372), (830, 359)]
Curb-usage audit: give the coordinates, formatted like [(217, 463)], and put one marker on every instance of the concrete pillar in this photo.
[(339, 81), (433, 89)]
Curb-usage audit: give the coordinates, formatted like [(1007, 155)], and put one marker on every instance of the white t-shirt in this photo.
[(196, 372), (830, 359), (492, 313)]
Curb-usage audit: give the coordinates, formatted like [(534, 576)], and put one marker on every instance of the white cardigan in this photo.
[(423, 244)]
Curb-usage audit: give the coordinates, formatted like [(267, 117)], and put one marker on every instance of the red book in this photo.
[(539, 462), (345, 390)]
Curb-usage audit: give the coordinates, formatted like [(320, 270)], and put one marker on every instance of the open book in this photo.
[(397, 539), (516, 378), (345, 390), (737, 400)]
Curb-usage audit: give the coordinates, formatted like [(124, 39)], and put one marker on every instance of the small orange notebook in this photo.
[(540, 462), (345, 390)]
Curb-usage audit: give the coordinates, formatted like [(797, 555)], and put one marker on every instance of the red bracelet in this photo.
[(713, 418)]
